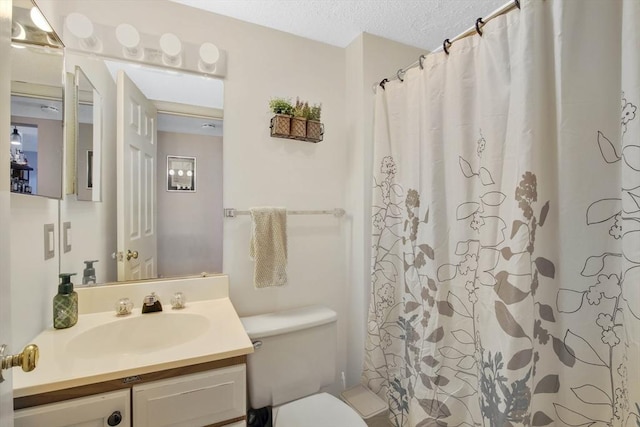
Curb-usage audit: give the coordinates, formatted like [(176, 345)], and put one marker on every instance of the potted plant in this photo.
[(299, 121), (281, 122), (314, 127)]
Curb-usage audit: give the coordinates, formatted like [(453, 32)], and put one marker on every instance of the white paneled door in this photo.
[(137, 150), (6, 391)]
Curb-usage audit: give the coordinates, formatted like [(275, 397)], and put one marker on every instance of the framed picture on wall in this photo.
[(181, 173)]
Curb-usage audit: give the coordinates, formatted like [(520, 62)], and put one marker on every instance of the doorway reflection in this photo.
[(24, 159), (36, 145)]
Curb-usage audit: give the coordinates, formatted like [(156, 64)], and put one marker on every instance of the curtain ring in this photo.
[(399, 73), (517, 2), (383, 82), (479, 25), (446, 45), (421, 61)]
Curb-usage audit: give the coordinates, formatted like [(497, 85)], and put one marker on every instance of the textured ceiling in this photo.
[(420, 23)]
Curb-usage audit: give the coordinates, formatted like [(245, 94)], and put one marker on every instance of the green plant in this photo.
[(298, 109), (281, 106), (315, 112), (306, 110)]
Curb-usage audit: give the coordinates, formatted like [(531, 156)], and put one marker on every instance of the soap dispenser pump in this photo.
[(89, 273), (65, 303)]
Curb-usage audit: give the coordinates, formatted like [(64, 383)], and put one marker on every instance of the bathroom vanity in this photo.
[(173, 368)]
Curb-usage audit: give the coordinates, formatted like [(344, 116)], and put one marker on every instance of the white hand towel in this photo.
[(268, 246)]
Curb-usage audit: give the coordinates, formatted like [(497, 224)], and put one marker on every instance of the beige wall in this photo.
[(190, 223), (34, 280)]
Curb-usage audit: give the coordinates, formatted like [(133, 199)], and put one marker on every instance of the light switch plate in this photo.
[(49, 242), (66, 237)]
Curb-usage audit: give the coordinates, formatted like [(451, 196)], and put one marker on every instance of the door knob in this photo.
[(27, 359), (114, 419), (133, 254)]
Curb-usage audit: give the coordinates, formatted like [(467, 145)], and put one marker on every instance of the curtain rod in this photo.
[(338, 212), (476, 29)]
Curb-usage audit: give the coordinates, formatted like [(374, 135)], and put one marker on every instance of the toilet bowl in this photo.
[(295, 356)]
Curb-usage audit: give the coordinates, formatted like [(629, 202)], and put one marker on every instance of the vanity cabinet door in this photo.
[(102, 410), (191, 400)]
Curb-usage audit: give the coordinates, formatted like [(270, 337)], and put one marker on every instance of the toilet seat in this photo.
[(318, 410)]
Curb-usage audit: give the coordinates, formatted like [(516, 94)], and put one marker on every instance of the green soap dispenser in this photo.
[(65, 303)]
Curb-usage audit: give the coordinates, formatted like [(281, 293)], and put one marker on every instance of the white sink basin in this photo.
[(142, 334)]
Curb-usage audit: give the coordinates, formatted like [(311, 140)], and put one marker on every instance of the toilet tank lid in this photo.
[(281, 322)]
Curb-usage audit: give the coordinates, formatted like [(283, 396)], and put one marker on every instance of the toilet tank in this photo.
[(295, 354)]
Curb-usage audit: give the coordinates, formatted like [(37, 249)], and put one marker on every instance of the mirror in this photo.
[(36, 105), (87, 137), (189, 124), (187, 225)]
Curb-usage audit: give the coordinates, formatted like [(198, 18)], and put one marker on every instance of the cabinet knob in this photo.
[(114, 419), (27, 359)]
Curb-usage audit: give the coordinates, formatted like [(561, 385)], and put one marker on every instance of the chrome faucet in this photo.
[(151, 304)]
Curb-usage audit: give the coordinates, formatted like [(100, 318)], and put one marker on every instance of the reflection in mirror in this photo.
[(30, 27), (187, 225), (88, 138), (36, 119), (170, 233), (190, 222)]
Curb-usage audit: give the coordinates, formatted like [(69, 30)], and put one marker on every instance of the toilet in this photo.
[(295, 356)]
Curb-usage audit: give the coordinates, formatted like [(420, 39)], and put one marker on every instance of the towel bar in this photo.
[(338, 212)]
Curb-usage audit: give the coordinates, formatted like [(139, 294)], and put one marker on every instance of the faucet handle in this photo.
[(124, 306), (178, 301), (150, 299)]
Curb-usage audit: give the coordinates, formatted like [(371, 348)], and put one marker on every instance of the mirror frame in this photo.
[(44, 92), (81, 97), (32, 37)]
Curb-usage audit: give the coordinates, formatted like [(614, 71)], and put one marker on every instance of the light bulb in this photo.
[(16, 139), (180, 172), (171, 48), (38, 18), (209, 55), (82, 28), (129, 38), (18, 32), (172, 172), (189, 173)]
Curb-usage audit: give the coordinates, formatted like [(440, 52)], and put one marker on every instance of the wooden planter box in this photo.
[(298, 127), (315, 130), (285, 127), (281, 125)]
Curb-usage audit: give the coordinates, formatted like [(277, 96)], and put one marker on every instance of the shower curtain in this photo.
[(506, 225)]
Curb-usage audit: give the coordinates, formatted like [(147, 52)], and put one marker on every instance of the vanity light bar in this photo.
[(337, 212)]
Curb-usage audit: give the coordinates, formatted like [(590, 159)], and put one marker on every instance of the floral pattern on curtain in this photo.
[(506, 224)]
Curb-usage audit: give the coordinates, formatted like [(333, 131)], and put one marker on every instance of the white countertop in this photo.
[(59, 369)]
